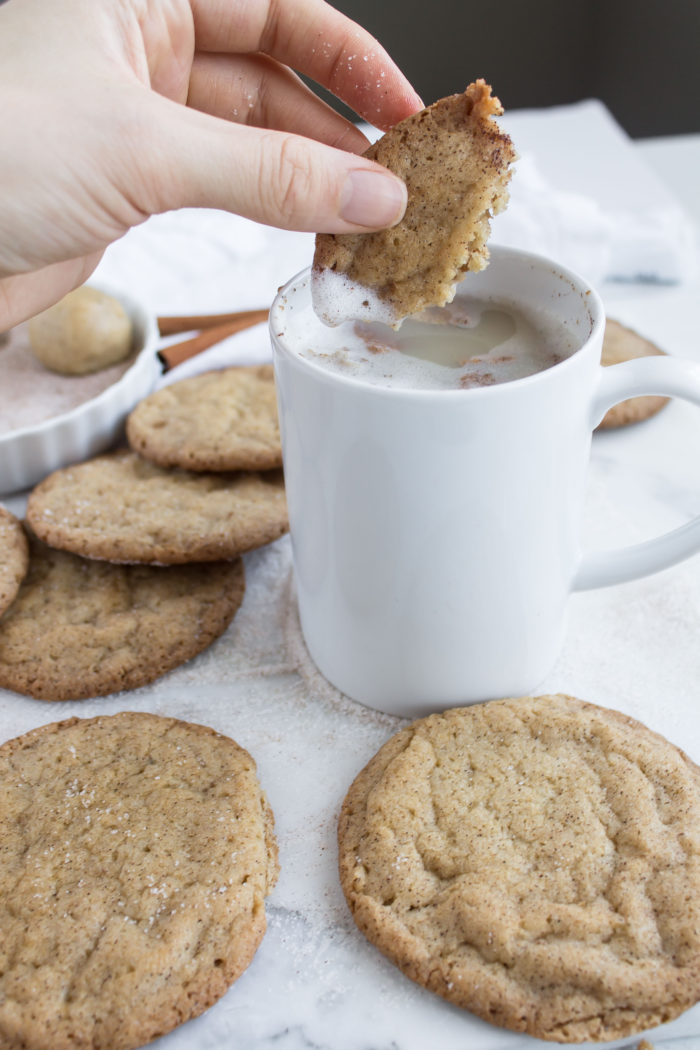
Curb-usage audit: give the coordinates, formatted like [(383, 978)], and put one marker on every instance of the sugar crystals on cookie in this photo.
[(80, 628), (137, 852), (122, 508), (217, 421)]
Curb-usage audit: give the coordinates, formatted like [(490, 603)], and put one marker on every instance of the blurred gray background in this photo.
[(641, 57)]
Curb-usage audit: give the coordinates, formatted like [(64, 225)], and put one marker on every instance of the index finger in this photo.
[(315, 39)]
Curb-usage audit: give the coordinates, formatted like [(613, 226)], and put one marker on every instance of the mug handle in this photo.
[(672, 377)]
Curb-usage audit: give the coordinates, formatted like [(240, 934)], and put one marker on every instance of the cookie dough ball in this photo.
[(86, 331)]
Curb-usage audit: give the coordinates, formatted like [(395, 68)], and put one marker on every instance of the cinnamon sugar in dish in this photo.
[(30, 394)]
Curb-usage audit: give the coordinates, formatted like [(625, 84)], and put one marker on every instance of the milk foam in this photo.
[(472, 342), (336, 299)]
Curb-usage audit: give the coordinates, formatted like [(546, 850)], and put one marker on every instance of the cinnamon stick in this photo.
[(194, 322), (176, 353)]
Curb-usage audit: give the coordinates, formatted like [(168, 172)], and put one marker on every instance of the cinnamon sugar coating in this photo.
[(137, 852), (122, 508), (455, 162), (224, 420), (81, 628)]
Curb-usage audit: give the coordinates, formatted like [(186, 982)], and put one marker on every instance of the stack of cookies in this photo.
[(135, 556), (137, 850)]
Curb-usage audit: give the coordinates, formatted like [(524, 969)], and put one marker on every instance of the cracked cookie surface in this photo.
[(122, 508), (223, 420), (81, 628), (536, 861), (14, 558), (136, 853)]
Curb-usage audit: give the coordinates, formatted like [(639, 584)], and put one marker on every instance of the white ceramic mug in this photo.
[(436, 533)]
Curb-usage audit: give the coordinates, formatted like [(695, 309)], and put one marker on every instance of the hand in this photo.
[(114, 111)]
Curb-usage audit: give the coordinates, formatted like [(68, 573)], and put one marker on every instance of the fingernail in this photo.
[(372, 199)]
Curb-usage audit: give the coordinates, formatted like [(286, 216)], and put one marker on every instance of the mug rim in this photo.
[(584, 288)]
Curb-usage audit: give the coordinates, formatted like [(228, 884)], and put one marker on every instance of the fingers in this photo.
[(26, 294), (273, 177), (315, 39), (255, 89)]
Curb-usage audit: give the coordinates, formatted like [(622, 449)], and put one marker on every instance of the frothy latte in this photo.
[(472, 342)]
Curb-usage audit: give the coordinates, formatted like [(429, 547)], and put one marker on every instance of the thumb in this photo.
[(24, 294), (284, 180)]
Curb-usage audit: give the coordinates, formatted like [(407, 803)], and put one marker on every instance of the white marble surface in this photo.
[(315, 982)]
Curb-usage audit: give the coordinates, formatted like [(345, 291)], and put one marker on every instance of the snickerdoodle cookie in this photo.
[(81, 628), (137, 852), (223, 420), (623, 344), (122, 508), (536, 861), (14, 557), (455, 162)]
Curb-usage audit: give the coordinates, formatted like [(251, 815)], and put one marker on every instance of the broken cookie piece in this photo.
[(455, 161)]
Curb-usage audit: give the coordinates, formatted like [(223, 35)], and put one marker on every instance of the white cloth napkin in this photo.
[(581, 194)]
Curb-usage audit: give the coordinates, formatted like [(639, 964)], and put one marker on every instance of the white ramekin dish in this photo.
[(29, 454)]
